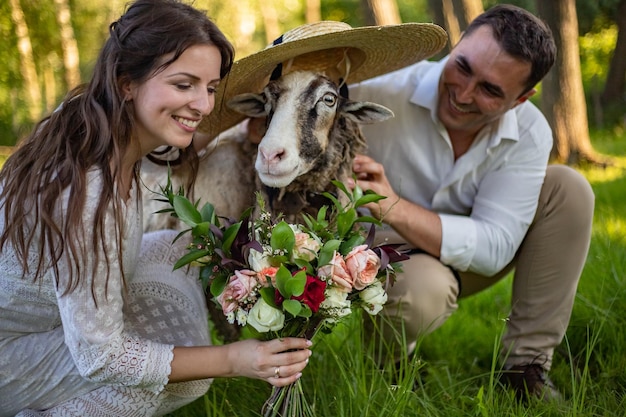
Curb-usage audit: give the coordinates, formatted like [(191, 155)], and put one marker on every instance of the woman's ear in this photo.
[(126, 90)]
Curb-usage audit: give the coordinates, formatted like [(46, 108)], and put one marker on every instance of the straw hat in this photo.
[(335, 48)]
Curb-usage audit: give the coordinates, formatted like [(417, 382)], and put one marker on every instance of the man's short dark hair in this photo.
[(522, 35)]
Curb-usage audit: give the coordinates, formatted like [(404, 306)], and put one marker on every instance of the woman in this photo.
[(92, 319)]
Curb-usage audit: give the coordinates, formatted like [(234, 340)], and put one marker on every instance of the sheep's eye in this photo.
[(329, 99)]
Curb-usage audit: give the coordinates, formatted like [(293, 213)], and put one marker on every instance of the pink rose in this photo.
[(338, 273), (362, 264), (238, 288)]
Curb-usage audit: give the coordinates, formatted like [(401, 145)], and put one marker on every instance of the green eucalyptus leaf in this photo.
[(269, 295), (201, 229), (230, 235), (190, 257), (309, 221), (357, 193), (283, 237), (181, 234), (306, 311), (282, 277), (349, 244), (218, 284), (206, 273), (345, 221), (186, 212), (321, 214), (327, 251), (368, 198), (342, 187), (369, 219), (292, 306), (207, 213), (334, 200), (295, 285), (303, 263)]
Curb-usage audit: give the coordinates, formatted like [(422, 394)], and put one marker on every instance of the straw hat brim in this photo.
[(373, 50)]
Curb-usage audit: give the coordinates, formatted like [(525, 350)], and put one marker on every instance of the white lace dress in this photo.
[(63, 356)]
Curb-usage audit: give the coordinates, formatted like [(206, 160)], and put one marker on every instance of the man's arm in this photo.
[(420, 227)]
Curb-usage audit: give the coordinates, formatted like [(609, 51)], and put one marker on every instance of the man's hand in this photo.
[(419, 227), (371, 176)]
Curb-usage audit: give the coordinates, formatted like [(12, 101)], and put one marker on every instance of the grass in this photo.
[(455, 368)]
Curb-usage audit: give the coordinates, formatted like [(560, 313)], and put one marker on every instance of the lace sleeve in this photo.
[(95, 333)]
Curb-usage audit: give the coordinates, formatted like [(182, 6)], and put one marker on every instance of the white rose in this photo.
[(373, 297), (336, 303), (264, 317), (258, 260)]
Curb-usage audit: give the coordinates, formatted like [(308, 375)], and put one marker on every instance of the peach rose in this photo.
[(337, 271), (362, 264), (265, 273), (238, 288), (306, 247)]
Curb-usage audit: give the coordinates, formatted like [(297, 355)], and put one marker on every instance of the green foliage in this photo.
[(596, 49), (595, 14), (90, 20)]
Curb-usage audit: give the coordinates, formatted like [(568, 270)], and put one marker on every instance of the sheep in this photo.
[(312, 135)]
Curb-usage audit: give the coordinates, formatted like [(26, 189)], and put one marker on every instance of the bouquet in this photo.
[(283, 279)]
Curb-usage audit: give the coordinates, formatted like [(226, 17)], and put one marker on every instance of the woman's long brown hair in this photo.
[(92, 128)]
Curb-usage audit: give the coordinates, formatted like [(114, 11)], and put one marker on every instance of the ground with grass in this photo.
[(455, 371)]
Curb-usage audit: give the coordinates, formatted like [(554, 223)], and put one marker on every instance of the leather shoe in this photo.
[(530, 381)]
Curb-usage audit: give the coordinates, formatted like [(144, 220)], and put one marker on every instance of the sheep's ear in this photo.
[(366, 112), (252, 105)]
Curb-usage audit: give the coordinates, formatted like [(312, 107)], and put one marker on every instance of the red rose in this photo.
[(312, 296)]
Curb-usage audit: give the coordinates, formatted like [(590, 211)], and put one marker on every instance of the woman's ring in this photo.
[(277, 372)]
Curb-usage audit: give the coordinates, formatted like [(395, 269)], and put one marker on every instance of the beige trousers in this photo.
[(547, 266)]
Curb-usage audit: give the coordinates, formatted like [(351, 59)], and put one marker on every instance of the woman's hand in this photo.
[(279, 362)]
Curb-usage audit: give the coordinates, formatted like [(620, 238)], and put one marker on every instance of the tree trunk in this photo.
[(470, 9), (563, 100), (68, 43), (270, 21), (615, 80), (27, 62), (50, 84), (451, 22), (385, 12), (313, 12), (454, 16)]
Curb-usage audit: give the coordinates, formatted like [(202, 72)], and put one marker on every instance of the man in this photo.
[(464, 165)]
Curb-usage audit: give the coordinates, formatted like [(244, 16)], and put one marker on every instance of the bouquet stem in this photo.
[(288, 401)]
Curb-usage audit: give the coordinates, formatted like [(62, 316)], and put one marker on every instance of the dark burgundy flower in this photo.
[(312, 296)]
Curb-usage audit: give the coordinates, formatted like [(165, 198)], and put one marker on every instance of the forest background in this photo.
[(50, 46)]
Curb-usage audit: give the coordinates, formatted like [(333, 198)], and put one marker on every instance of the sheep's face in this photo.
[(301, 110)]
